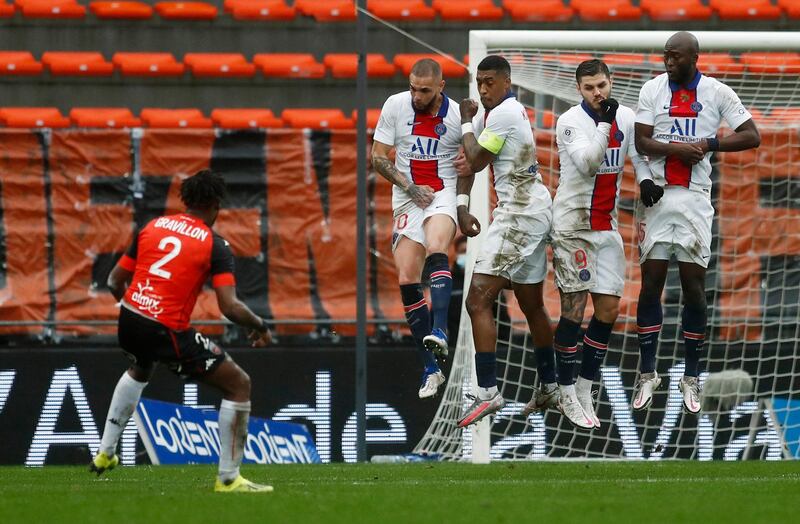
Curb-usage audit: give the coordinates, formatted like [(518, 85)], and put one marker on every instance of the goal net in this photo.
[(751, 404)]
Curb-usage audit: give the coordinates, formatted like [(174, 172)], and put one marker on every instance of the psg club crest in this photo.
[(440, 129), (696, 106), (584, 275), (619, 136)]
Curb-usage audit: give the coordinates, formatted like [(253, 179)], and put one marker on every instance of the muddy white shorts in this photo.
[(515, 246), (591, 261), (409, 219), (679, 224)]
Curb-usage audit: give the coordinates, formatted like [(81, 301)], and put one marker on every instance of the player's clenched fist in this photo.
[(608, 110), (468, 224), (469, 108)]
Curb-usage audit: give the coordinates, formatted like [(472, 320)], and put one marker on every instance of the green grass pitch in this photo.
[(592, 492)]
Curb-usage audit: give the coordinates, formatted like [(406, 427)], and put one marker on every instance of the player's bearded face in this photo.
[(679, 64), (595, 89), (425, 92)]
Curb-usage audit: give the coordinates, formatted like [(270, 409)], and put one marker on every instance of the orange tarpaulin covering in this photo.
[(72, 199)]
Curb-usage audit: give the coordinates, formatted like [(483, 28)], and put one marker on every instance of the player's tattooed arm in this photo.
[(573, 305), (422, 196)]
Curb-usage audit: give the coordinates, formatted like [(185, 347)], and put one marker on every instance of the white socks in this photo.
[(583, 387), (123, 403), (567, 391), (487, 393), (233, 419)]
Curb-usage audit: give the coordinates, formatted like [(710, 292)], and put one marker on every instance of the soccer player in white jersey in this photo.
[(422, 125), (676, 126), (593, 140), (513, 253)]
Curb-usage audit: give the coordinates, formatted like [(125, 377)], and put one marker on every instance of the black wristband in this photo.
[(713, 144), (264, 325)]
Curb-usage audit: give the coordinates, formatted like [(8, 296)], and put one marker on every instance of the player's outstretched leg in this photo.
[(595, 346), (566, 346), (234, 415), (123, 403), (649, 317), (441, 289), (483, 292), (419, 321)]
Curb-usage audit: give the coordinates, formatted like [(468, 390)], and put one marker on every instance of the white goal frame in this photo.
[(478, 438)]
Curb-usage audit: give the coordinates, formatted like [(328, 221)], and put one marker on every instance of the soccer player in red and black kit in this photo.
[(157, 282)]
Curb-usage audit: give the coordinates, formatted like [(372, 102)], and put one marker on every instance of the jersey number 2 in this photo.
[(176, 248)]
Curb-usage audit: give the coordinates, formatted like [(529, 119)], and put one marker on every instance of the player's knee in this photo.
[(478, 302), (241, 386), (608, 313)]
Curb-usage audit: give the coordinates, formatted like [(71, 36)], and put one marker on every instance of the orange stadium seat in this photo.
[(80, 63), (103, 117), (372, 117), (468, 10), (345, 65), (675, 10), (328, 10), (30, 117), (746, 9), (771, 63), (147, 64), (450, 69), (289, 65), (791, 7), (245, 118), (317, 119), (19, 63), (219, 64), (172, 118), (51, 8), (538, 10), (625, 59), (401, 9), (713, 64), (6, 10), (186, 10), (606, 10), (122, 10), (260, 10)]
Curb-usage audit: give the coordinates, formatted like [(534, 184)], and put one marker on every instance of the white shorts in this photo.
[(591, 261), (515, 246), (679, 224), (409, 219)]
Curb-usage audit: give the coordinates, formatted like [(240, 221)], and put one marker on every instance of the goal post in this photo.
[(753, 282)]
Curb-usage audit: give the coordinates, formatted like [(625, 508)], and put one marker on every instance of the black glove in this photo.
[(649, 192), (608, 110)]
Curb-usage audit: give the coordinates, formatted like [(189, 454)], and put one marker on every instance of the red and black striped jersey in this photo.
[(171, 258)]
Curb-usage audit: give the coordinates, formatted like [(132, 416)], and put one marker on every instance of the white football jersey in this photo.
[(425, 145), (687, 114), (592, 157), (506, 131)]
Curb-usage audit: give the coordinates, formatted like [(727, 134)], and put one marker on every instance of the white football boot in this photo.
[(690, 387), (583, 390), (570, 407), (430, 384), (481, 408), (643, 396), (546, 396)]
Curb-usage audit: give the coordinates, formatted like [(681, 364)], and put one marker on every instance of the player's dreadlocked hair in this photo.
[(204, 190)]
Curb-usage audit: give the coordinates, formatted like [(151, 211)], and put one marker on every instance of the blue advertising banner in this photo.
[(178, 434)]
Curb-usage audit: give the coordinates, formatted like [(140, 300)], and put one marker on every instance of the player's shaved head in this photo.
[(684, 41), (427, 68), (680, 57)]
